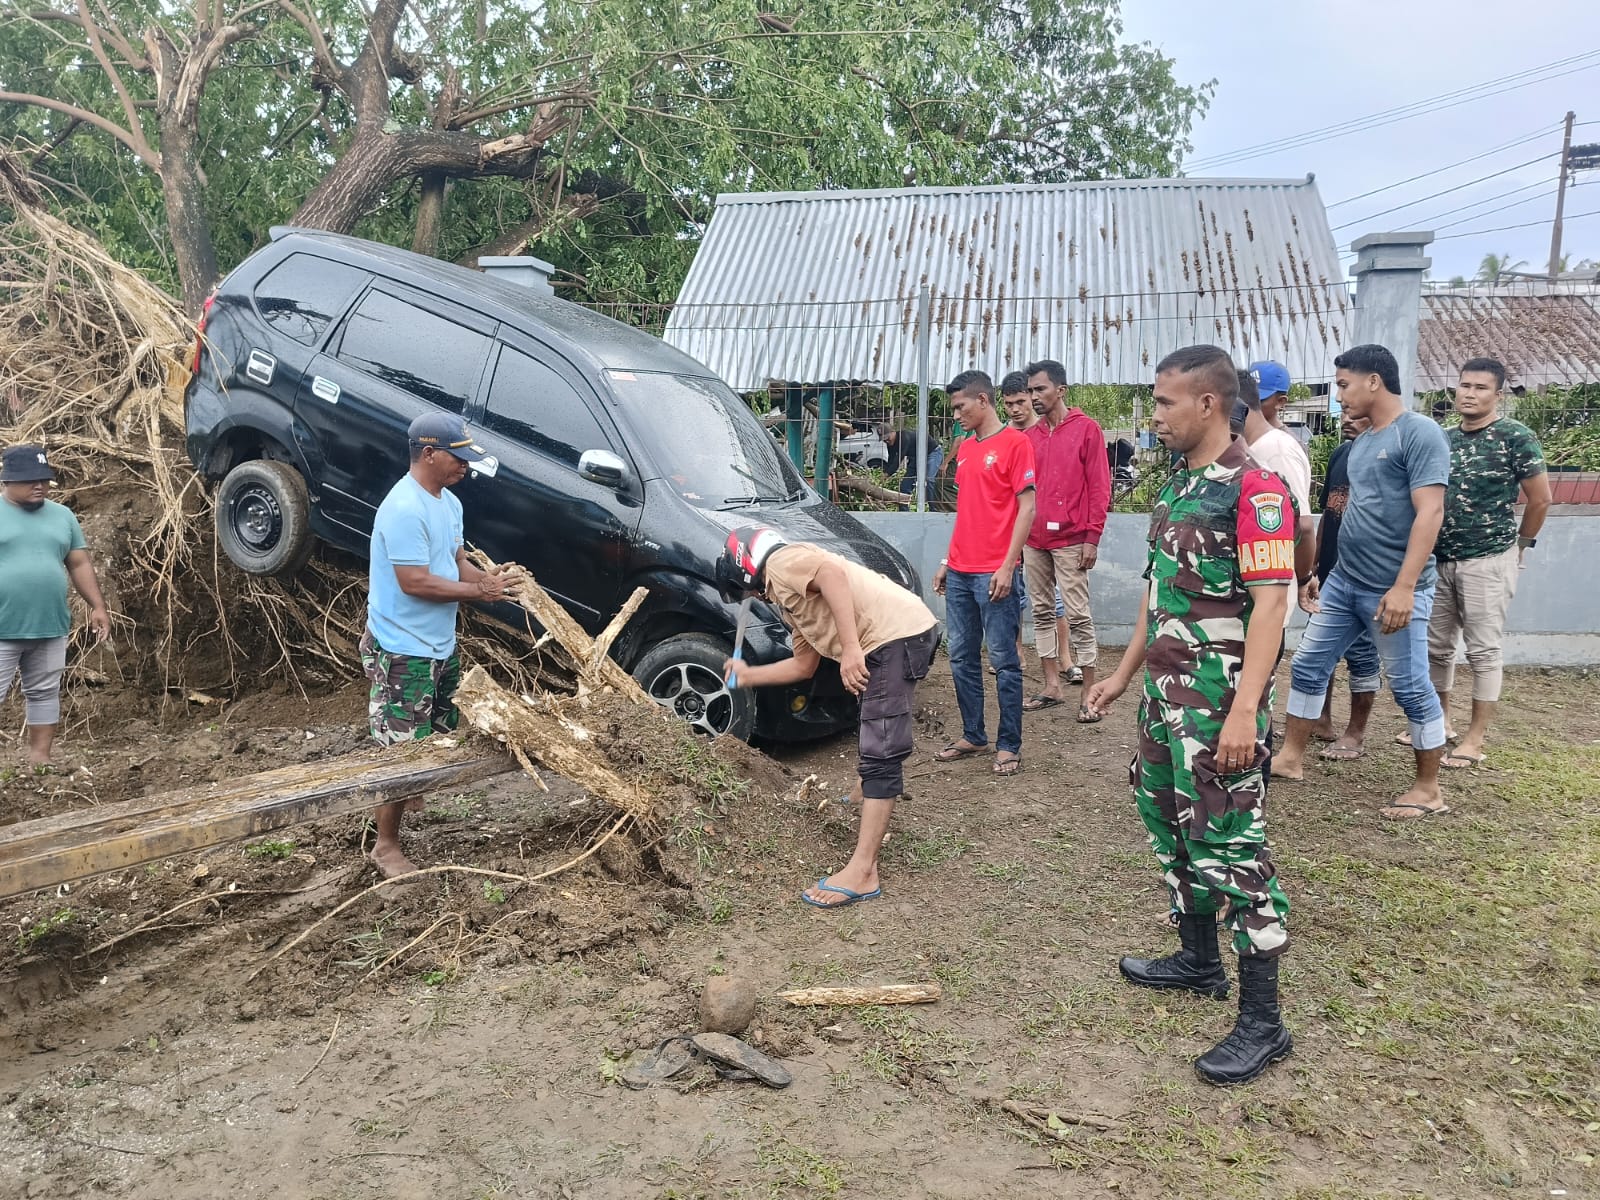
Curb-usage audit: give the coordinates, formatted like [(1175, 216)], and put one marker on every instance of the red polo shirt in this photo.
[(991, 473), (1074, 481)]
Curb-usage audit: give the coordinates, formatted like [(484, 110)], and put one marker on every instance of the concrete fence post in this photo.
[(1388, 272)]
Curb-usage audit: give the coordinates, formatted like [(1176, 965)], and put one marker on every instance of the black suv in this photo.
[(613, 460)]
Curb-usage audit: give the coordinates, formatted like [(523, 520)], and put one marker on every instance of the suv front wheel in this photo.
[(684, 675), (264, 518)]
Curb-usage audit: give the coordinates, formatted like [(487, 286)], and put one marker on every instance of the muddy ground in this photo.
[(461, 1038)]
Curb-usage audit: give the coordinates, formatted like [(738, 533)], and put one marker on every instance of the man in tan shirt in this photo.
[(883, 638)]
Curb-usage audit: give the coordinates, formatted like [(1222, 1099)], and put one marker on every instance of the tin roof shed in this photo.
[(1544, 333), (1106, 277)]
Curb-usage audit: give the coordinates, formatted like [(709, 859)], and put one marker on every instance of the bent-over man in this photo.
[(1219, 575), (41, 551), (883, 638), (416, 579)]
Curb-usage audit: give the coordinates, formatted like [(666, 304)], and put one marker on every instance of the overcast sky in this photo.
[(1285, 67)]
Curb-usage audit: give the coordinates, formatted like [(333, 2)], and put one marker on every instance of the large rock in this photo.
[(727, 1005)]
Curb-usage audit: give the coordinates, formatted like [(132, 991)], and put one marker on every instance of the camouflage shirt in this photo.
[(1487, 467), (1214, 533)]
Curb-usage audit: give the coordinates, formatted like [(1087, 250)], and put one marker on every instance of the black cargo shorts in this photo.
[(893, 671)]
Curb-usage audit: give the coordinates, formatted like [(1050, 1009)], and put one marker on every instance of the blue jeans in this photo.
[(971, 619), (1348, 612), (1366, 669)]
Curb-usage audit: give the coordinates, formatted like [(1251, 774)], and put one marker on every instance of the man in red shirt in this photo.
[(1074, 478), (994, 510)]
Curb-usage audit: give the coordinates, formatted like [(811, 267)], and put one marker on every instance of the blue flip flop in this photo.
[(850, 897)]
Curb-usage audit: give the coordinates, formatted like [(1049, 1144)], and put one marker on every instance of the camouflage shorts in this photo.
[(410, 697), (1208, 827)]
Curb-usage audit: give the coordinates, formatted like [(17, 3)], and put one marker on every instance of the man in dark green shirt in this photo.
[(41, 548), (1481, 545)]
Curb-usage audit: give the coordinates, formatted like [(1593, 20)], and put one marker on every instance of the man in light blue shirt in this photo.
[(417, 577), (1384, 580)]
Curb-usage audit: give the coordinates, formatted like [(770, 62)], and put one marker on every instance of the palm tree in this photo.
[(1495, 265)]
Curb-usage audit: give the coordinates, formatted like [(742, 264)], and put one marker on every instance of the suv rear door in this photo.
[(537, 416), (399, 353)]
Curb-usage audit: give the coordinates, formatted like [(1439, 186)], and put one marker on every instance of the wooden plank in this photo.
[(881, 993), (59, 849)]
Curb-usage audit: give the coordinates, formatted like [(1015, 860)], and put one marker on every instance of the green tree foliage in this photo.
[(595, 133)]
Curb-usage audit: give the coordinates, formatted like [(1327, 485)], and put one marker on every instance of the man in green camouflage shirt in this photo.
[(1219, 574), (1480, 546)]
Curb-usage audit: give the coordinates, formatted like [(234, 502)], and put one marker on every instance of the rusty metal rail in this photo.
[(56, 850)]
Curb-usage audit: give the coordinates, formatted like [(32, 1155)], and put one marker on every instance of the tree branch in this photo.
[(329, 65), (91, 32), (137, 144)]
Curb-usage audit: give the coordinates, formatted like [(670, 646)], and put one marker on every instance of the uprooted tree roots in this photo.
[(93, 366)]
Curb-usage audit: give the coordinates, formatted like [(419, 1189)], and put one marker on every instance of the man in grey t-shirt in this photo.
[(1384, 580)]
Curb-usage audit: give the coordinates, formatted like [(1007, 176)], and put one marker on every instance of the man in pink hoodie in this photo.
[(1074, 492)]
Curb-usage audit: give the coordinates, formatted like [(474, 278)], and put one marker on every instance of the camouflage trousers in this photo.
[(410, 696), (1209, 829)]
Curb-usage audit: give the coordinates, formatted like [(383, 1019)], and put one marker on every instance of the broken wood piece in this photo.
[(55, 850), (602, 644), (882, 993), (1054, 1121)]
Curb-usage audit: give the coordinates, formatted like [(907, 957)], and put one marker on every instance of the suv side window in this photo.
[(532, 403), (301, 295), (411, 348)]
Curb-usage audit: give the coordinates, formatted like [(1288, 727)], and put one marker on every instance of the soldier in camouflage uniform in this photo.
[(1220, 569), (1481, 545), (418, 573)]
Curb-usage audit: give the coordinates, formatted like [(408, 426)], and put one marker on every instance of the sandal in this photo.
[(1041, 701), (1006, 767), (1087, 716), (1461, 762), (953, 752), (667, 1061), (1343, 753), (1074, 676), (1421, 810)]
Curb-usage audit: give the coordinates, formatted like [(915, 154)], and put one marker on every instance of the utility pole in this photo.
[(1561, 198)]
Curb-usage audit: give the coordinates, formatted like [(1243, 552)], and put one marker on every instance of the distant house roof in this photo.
[(1106, 277), (1543, 334)]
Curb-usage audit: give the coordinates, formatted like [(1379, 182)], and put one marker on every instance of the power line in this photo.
[(1537, 133), (1594, 212), (1488, 200), (1490, 211), (1417, 108), (1446, 191)]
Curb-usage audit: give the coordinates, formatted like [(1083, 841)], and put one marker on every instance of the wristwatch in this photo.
[(1526, 543)]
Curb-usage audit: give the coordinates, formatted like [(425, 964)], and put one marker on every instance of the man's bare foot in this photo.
[(1324, 731), (391, 861), (1287, 766), (851, 879), (1420, 801), (1344, 749)]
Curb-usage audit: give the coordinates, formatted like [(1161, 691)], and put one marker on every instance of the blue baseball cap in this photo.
[(1271, 378), (444, 431)]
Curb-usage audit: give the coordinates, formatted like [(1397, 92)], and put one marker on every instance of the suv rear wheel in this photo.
[(264, 518), (684, 675)]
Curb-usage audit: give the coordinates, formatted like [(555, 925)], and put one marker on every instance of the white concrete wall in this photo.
[(1555, 619)]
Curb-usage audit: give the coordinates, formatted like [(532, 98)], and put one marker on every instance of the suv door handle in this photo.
[(325, 389), (260, 367)]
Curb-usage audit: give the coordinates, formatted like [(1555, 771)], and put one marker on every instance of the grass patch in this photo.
[(270, 851), (932, 848), (790, 1169)]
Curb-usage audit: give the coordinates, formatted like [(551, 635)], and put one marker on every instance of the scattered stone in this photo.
[(727, 1004)]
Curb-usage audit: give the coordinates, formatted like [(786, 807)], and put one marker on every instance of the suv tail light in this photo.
[(200, 333)]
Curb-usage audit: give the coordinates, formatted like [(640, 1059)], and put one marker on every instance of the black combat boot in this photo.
[(1258, 1039), (1195, 968)]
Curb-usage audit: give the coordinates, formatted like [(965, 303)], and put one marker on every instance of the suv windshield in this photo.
[(705, 440)]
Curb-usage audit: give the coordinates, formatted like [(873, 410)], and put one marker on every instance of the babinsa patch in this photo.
[(1269, 512)]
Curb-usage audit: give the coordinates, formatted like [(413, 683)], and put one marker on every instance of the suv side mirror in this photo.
[(603, 467), (487, 467)]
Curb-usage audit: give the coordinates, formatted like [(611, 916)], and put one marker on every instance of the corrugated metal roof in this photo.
[(1542, 335), (1106, 277)]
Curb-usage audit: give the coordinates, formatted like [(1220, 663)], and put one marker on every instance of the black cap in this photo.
[(25, 464), (444, 431)]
